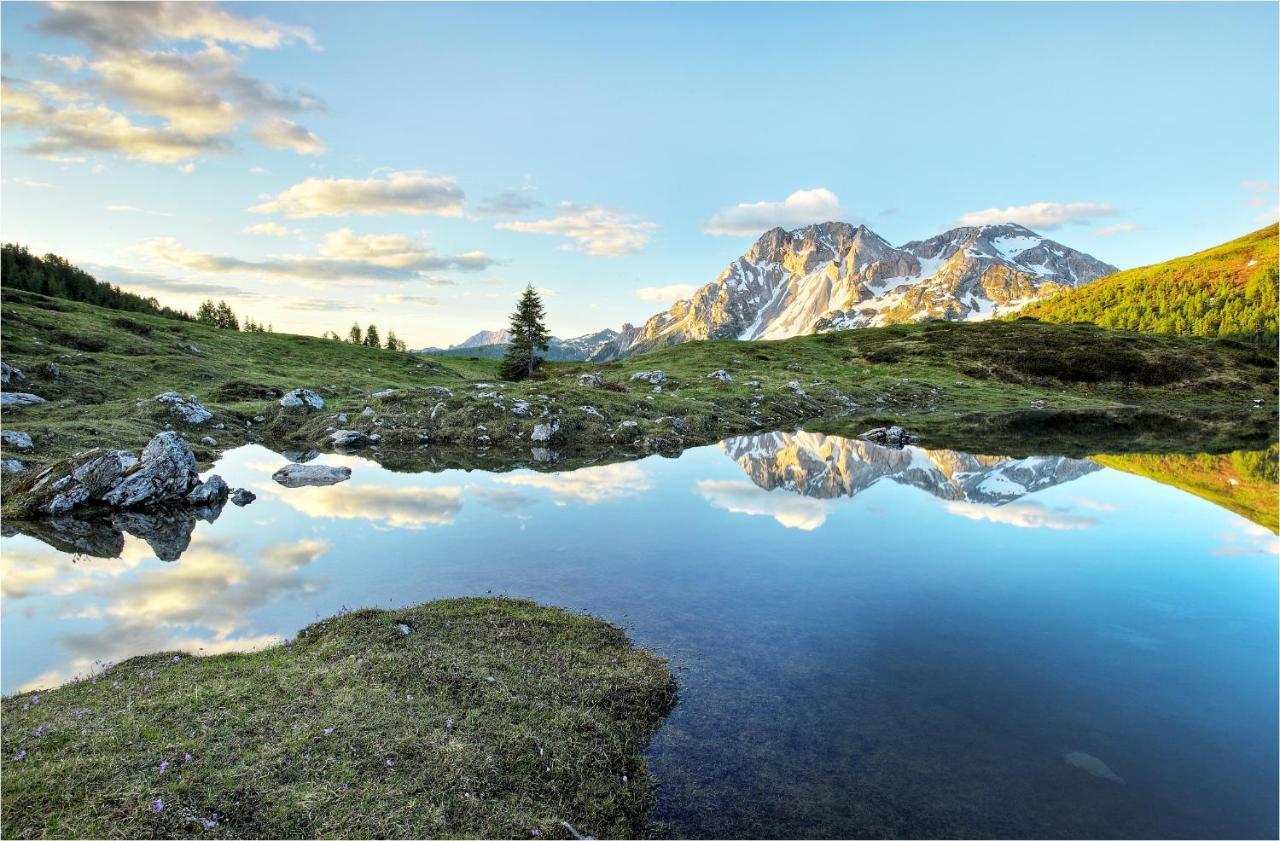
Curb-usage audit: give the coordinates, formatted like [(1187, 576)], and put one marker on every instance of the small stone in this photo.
[(10, 374), (214, 489), (209, 441), (349, 439), (544, 431), (590, 380), (18, 440), (242, 496), (11, 465), (302, 398), (367, 411), (299, 475), (722, 375), (651, 377)]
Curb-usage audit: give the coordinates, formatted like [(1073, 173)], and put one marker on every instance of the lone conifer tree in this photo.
[(528, 336), (371, 338)]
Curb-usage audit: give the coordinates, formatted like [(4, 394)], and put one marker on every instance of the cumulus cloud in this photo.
[(803, 207), (591, 229), (406, 508), (1112, 230), (200, 96), (344, 256), (408, 193), (269, 229), (792, 511), (587, 486), (1026, 514), (128, 26), (148, 283), (508, 203), (279, 133), (1044, 215), (665, 294)]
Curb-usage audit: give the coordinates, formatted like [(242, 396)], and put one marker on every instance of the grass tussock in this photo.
[(488, 718)]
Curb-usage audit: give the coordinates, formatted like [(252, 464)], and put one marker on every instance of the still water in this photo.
[(869, 642)]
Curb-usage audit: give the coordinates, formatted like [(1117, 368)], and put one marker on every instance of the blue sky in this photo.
[(415, 165)]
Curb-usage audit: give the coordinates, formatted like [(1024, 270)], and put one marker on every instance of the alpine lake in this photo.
[(868, 641)]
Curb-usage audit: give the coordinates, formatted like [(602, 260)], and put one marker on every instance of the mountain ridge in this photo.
[(837, 276)]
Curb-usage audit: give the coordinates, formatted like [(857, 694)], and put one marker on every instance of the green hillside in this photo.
[(1229, 290)]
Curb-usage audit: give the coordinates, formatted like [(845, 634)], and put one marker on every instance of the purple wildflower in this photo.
[(186, 757), (448, 722), (26, 707), (211, 822), (328, 731), (345, 786), (20, 755), (35, 699), (535, 832), (176, 658), (158, 806), (164, 766), (39, 731), (390, 763)]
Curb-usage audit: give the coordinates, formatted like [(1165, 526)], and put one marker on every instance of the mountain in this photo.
[(835, 276), (828, 466), (493, 344), (1229, 290)]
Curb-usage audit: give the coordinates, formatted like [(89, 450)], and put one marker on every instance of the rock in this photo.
[(167, 470), (11, 465), (349, 438), (651, 377), (367, 411), (795, 386), (520, 407), (1038, 404), (439, 391), (47, 370), (259, 418), (209, 441), (214, 489), (591, 410), (10, 374), (590, 380), (386, 392), (20, 398), (482, 386), (544, 431), (301, 456), (893, 436), (187, 347), (675, 423), (188, 409), (542, 454), (18, 440), (302, 398), (86, 481), (298, 475), (341, 419), (242, 497), (722, 375), (1257, 402), (753, 383)]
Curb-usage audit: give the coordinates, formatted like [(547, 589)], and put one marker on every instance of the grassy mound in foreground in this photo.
[(489, 718)]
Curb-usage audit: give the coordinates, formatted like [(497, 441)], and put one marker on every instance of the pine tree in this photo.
[(371, 338), (353, 335), (392, 342), (225, 318), (528, 336)]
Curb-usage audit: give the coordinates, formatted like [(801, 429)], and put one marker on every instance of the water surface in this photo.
[(869, 642)]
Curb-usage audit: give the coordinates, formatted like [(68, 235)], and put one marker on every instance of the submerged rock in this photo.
[(303, 398), (20, 398), (300, 475), (214, 489), (18, 440)]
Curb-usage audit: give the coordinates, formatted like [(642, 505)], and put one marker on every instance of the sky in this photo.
[(416, 165)]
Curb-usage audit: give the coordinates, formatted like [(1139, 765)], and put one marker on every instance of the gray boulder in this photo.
[(439, 391), (675, 423), (18, 440), (544, 431), (11, 465), (20, 398), (386, 392), (186, 409), (88, 481), (242, 497), (651, 377), (213, 490), (10, 374), (349, 438), (722, 375), (166, 471), (209, 441), (303, 398), (299, 475), (589, 380)]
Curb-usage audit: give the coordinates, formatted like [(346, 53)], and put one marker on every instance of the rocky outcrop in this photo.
[(10, 375), (242, 497), (835, 276), (186, 409), (17, 399), (302, 398), (301, 475), (349, 439), (17, 440)]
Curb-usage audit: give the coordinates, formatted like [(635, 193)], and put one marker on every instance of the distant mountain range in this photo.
[(493, 343), (835, 276)]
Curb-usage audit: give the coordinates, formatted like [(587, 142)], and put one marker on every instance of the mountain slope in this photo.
[(835, 276), (492, 344), (1229, 290)]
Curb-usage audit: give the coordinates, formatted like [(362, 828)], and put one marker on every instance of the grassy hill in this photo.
[(1229, 290)]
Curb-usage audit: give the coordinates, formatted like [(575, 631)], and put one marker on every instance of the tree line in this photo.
[(370, 337), (55, 276)]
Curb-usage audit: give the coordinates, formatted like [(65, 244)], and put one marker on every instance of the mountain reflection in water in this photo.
[(869, 641)]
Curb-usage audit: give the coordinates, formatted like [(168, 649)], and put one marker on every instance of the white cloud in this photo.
[(803, 207), (1024, 515), (406, 508), (793, 511), (1112, 230), (1044, 215), (588, 486), (665, 294), (508, 203), (270, 229), (27, 182), (126, 26), (344, 256), (600, 231), (128, 208), (408, 193), (279, 133)]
